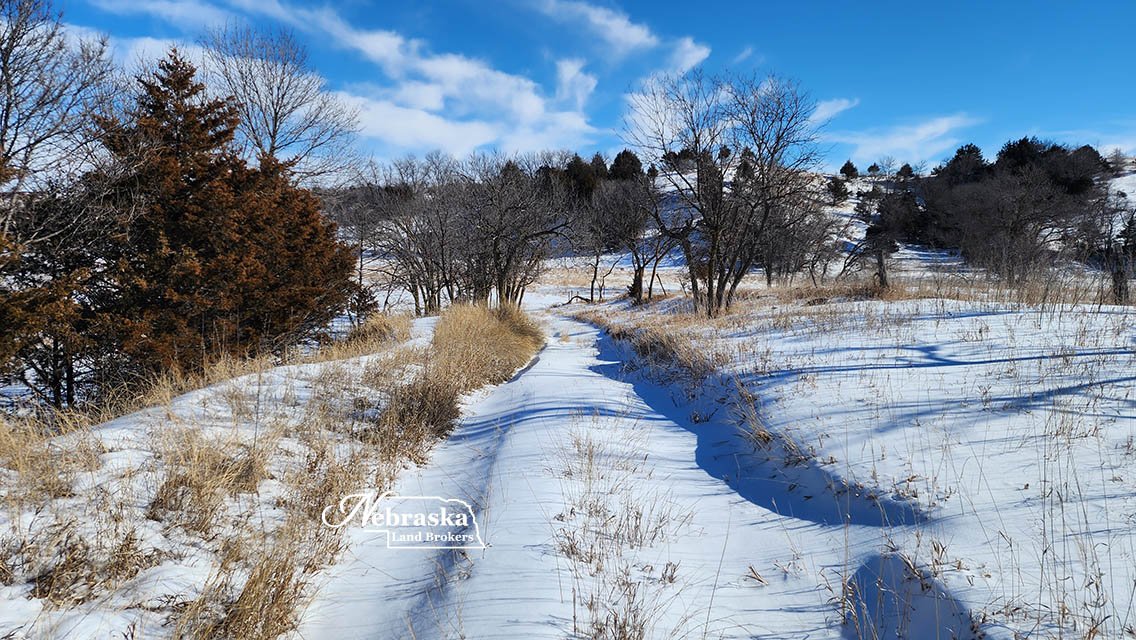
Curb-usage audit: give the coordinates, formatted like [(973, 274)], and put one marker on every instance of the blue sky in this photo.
[(911, 80)]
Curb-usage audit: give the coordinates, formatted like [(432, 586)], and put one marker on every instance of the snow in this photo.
[(1008, 429), (129, 471), (938, 468), (727, 554)]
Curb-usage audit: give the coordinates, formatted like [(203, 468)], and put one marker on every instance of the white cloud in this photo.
[(744, 55), (621, 35), (829, 109), (185, 14), (416, 129), (561, 130), (388, 49), (927, 140), (420, 95), (572, 83), (687, 54), (138, 53), (421, 100), (465, 97)]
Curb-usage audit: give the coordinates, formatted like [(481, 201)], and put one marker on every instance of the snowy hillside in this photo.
[(1007, 431)]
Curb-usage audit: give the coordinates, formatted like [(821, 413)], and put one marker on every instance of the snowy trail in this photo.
[(568, 437)]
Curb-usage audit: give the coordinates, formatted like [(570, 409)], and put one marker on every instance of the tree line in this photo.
[(1036, 206), (481, 229), (731, 184)]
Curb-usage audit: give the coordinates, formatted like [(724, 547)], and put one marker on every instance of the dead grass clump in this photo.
[(66, 567), (393, 367), (44, 467), (65, 573), (472, 346), (428, 404), (266, 605), (338, 477), (376, 333), (278, 565), (475, 345), (162, 388), (202, 474), (662, 347)]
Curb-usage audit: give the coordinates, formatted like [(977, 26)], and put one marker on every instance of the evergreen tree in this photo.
[(294, 276), (849, 170), (965, 167), (626, 166), (905, 172), (581, 176), (218, 258), (837, 190), (874, 170), (173, 301), (599, 167)]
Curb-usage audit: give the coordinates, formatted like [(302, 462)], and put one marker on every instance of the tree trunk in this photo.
[(1119, 285), (692, 269), (635, 291), (881, 269), (595, 277)]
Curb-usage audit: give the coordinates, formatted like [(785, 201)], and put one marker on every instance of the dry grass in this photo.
[(44, 464), (473, 346), (203, 484), (161, 389), (476, 346), (420, 389), (376, 334), (611, 511), (201, 474), (66, 566), (662, 346), (1037, 292)]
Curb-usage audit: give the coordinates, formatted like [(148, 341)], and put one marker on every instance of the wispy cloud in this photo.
[(418, 129), (621, 35), (743, 55), (142, 50), (475, 103), (922, 141), (572, 83), (687, 54), (189, 15), (421, 99), (829, 109)]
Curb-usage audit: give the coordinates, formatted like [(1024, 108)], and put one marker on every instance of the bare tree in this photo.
[(676, 117), (887, 165), (630, 208), (285, 108), (511, 216), (51, 82), (751, 149)]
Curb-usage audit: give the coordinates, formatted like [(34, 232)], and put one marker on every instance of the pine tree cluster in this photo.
[(190, 253)]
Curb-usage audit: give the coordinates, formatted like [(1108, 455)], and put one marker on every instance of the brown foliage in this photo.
[(214, 257)]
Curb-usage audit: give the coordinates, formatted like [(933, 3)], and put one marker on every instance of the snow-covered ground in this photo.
[(131, 496), (926, 468), (1009, 429), (605, 503)]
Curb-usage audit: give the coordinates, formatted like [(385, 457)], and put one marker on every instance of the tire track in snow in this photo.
[(501, 459)]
